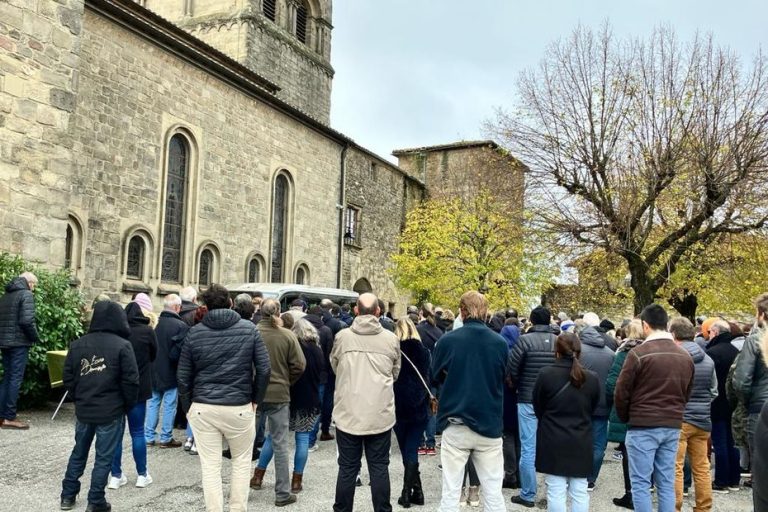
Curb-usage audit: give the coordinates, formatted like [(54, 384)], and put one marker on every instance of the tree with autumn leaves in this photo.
[(652, 153), (453, 244)]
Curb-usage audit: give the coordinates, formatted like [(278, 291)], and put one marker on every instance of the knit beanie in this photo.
[(541, 316), (144, 301)]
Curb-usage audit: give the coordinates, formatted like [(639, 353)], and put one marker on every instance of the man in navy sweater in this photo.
[(469, 364)]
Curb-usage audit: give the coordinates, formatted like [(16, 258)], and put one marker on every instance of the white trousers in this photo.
[(459, 443)]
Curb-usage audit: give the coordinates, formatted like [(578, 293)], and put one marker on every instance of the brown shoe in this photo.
[(296, 486), (15, 425), (326, 436), (258, 476), (170, 444)]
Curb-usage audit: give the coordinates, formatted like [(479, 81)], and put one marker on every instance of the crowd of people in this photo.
[(508, 397)]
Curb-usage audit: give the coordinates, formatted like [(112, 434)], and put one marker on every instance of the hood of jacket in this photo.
[(169, 314), (135, 315), (16, 284), (592, 337), (221, 319), (511, 333), (315, 320), (366, 325), (186, 307), (693, 348), (108, 316)]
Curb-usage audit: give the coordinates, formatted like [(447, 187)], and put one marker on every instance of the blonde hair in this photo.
[(448, 315), (405, 330), (153, 318), (635, 330), (474, 304)]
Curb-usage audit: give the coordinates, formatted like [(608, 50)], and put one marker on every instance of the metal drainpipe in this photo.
[(342, 207)]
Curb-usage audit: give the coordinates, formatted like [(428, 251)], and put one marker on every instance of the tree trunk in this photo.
[(642, 284), (686, 304)]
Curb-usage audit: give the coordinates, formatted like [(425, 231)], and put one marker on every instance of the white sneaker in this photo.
[(116, 483), (313, 448), (193, 449), (143, 481), (188, 444)]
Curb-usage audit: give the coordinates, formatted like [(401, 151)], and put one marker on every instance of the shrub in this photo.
[(58, 311)]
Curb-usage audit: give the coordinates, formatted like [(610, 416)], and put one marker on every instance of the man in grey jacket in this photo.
[(596, 356), (697, 422), (750, 378), (18, 332)]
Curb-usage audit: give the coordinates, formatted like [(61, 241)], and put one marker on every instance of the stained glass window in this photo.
[(134, 268), (175, 192), (206, 268), (279, 222)]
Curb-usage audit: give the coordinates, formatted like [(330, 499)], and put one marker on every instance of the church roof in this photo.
[(463, 144)]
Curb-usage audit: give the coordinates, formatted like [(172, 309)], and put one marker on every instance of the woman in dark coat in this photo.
[(305, 402), (564, 399), (144, 345), (411, 405)]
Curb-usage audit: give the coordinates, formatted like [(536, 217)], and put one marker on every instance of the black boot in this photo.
[(625, 501), (405, 496), (417, 494)]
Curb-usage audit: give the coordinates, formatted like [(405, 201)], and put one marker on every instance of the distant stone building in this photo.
[(461, 169)]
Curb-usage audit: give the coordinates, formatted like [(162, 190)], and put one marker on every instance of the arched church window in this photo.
[(302, 274), (68, 243), (205, 275), (255, 269), (302, 19), (279, 226), (175, 199), (269, 8), (134, 267)]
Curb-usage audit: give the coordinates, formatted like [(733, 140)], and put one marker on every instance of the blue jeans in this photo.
[(528, 424), (408, 439), (139, 443), (107, 438), (14, 364), (599, 442), (727, 468), (168, 399), (316, 428), (652, 453), (299, 456), (558, 490)]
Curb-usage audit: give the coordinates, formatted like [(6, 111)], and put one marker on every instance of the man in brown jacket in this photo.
[(366, 360), (287, 362), (654, 385)]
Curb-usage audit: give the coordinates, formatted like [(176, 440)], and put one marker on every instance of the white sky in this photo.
[(420, 72)]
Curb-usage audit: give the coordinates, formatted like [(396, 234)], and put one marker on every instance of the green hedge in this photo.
[(59, 313)]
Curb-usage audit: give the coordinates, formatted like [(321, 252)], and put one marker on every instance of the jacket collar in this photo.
[(659, 335), (366, 325)]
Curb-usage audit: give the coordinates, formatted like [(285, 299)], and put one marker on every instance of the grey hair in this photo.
[(171, 300), (270, 307), (305, 331), (722, 326), (242, 299), (30, 277), (188, 294)]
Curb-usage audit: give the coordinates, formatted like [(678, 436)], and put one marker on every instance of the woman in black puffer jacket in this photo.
[(144, 345), (411, 406)]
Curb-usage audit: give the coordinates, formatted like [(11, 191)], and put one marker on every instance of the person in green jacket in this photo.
[(617, 431)]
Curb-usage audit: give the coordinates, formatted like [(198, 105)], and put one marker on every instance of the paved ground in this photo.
[(32, 464)]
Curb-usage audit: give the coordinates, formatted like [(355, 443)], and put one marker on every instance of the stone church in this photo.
[(153, 144)]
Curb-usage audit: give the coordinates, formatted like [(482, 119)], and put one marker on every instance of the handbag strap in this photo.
[(562, 389), (421, 378)]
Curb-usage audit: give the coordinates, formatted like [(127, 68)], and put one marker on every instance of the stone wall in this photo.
[(132, 95), (39, 58), (239, 29), (384, 195)]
